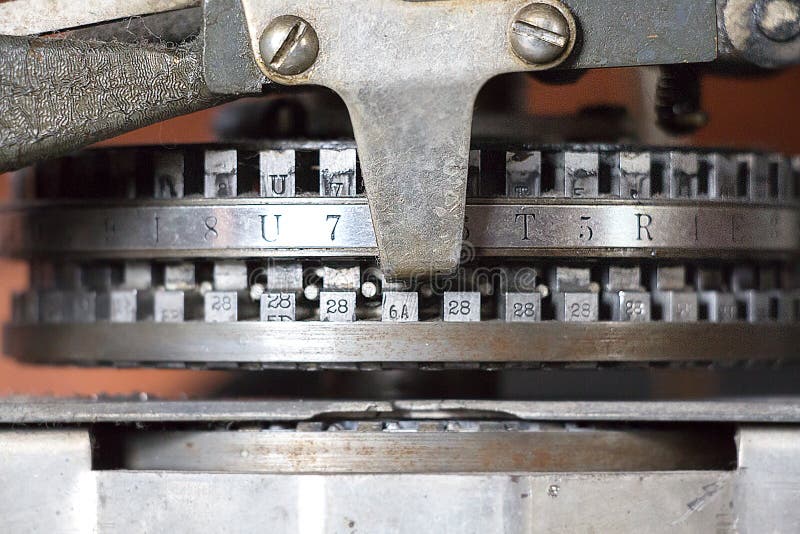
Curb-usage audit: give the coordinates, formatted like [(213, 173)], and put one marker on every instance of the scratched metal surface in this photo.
[(58, 95)]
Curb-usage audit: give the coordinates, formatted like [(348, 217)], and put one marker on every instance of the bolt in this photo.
[(289, 45), (779, 20), (542, 33)]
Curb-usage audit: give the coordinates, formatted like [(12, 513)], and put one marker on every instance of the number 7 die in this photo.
[(400, 307)]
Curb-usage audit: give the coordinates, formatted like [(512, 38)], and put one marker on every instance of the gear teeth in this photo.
[(679, 173), (590, 172)]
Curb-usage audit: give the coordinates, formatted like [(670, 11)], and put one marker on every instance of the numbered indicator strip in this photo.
[(322, 227)]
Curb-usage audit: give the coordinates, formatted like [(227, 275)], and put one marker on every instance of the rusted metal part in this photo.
[(57, 95)]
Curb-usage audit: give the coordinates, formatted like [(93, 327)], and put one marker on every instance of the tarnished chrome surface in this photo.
[(319, 343)]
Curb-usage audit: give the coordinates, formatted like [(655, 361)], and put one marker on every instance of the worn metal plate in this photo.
[(341, 227), (411, 449), (36, 410), (373, 341), (45, 481), (49, 486), (626, 502)]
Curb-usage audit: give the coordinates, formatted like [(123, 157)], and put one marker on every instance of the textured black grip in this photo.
[(57, 95)]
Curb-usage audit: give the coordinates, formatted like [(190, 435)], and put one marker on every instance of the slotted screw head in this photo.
[(541, 33), (289, 45)]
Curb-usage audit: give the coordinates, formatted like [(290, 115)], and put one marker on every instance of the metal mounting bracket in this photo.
[(409, 73)]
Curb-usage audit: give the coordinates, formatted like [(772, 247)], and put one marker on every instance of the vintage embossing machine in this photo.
[(441, 312)]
